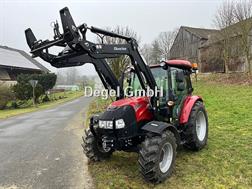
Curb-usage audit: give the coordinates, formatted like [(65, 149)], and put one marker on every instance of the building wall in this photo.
[(7, 83), (185, 46), (11, 73), (211, 57), (4, 75)]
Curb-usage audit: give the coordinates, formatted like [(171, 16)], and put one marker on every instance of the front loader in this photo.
[(152, 126)]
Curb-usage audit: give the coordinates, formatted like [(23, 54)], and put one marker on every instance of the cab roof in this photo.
[(183, 64)]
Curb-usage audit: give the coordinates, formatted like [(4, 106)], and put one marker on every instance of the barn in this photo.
[(14, 62), (188, 41), (225, 50)]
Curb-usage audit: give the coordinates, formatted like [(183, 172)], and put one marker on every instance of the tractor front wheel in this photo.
[(157, 157), (196, 130), (94, 149)]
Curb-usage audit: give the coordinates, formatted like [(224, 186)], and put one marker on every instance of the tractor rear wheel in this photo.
[(196, 130), (94, 149), (157, 157)]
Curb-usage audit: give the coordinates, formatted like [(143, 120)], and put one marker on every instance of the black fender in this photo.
[(158, 127)]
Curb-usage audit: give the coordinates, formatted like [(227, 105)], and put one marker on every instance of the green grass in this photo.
[(226, 162), (67, 96)]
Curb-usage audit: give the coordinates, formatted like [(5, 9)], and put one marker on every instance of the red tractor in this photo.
[(153, 126)]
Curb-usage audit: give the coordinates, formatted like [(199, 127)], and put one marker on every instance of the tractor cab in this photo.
[(173, 81)]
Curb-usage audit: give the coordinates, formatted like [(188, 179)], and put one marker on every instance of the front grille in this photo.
[(126, 113)]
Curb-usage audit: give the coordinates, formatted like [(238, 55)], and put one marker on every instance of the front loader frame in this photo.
[(78, 51)]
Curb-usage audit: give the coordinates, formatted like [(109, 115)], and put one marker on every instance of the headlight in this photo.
[(102, 124), (119, 124), (105, 124)]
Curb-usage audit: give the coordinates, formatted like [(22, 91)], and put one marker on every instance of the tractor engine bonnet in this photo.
[(126, 113), (131, 110), (140, 106)]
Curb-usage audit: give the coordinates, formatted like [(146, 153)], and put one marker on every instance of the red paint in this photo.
[(182, 63), (140, 105), (187, 107), (176, 63)]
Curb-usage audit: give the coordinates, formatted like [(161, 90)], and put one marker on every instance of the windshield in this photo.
[(160, 76), (134, 83)]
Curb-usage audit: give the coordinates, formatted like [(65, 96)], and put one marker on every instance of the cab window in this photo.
[(161, 77), (174, 72), (134, 83)]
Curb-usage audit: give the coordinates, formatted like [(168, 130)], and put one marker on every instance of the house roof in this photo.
[(233, 30), (236, 28), (200, 32), (16, 58)]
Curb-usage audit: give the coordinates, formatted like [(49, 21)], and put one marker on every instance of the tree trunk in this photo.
[(226, 66), (249, 66), (248, 63)]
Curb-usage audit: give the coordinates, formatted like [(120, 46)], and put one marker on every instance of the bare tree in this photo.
[(160, 48), (68, 76), (156, 53), (243, 14), (71, 75), (146, 52), (224, 18), (61, 77), (119, 64), (165, 41), (152, 52)]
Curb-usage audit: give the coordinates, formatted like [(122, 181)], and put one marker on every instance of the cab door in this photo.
[(180, 90)]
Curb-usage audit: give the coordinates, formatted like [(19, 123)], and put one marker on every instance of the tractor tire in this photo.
[(196, 129), (93, 150), (157, 156)]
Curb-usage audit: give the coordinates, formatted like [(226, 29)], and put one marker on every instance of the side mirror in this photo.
[(181, 86), (180, 77), (164, 65)]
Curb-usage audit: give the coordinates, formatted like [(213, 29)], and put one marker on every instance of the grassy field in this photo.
[(61, 97), (226, 162)]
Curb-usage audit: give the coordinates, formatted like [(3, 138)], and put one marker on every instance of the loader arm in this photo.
[(78, 51), (105, 73)]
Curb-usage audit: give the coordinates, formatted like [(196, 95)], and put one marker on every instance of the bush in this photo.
[(23, 89), (14, 104), (46, 99), (5, 96)]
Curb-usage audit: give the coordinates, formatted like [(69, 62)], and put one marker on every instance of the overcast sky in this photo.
[(147, 18)]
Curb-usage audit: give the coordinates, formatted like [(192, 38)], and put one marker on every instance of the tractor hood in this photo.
[(124, 118), (139, 104)]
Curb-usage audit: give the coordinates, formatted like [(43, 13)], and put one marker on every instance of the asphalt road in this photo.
[(43, 149)]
